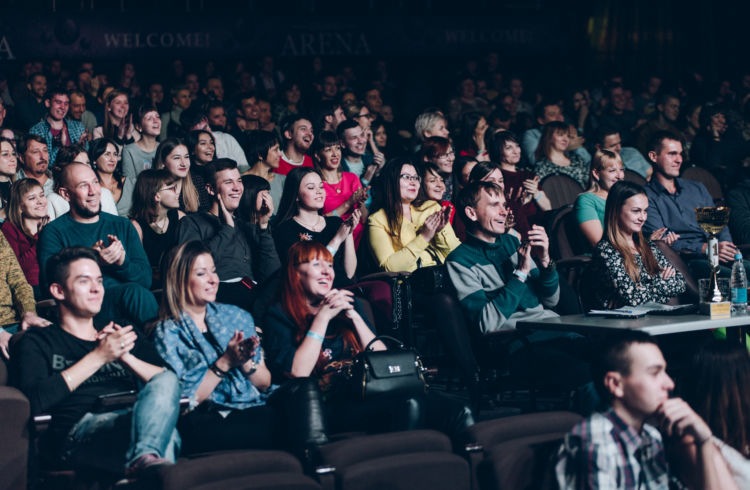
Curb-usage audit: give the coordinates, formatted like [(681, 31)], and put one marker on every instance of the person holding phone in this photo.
[(245, 254)]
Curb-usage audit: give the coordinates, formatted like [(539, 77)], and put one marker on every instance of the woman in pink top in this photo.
[(344, 192)]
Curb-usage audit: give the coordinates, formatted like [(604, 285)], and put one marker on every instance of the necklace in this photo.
[(314, 227), (160, 229)]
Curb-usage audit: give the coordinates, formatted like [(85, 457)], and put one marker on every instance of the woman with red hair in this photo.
[(316, 331)]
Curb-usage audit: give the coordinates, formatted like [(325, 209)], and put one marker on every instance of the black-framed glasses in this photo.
[(413, 178)]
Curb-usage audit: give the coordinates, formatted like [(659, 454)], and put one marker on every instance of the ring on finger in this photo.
[(122, 345)]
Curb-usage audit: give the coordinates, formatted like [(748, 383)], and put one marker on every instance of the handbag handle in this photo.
[(385, 337)]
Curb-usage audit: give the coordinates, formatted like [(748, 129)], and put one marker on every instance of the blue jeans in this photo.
[(109, 440)]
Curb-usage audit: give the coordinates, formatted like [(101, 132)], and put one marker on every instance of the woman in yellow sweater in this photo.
[(407, 233)]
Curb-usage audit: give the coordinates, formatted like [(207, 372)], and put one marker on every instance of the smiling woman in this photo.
[(299, 219), (407, 232), (627, 268)]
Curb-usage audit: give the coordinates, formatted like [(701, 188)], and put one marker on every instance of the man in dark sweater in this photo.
[(127, 272), (244, 253), (71, 369)]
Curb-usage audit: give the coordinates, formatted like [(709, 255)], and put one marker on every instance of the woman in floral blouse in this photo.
[(629, 269)]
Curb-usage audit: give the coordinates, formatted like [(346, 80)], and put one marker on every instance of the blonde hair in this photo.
[(602, 159), (177, 293)]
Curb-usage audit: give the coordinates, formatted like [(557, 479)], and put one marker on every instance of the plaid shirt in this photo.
[(43, 129), (602, 452)]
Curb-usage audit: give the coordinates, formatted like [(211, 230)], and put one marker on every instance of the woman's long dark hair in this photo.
[(97, 148), (718, 388), (191, 142), (388, 194), (288, 206), (254, 185), (618, 194), (469, 123)]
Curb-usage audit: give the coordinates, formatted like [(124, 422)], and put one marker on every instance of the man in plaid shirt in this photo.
[(617, 449)]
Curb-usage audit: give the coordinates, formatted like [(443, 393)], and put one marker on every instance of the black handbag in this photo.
[(396, 373), (431, 280)]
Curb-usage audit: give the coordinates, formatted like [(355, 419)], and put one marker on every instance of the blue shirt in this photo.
[(677, 213), (189, 354)]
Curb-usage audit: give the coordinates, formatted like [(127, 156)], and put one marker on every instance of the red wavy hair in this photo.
[(294, 296)]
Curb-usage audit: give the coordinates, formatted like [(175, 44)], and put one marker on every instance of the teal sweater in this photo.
[(491, 296), (66, 232)]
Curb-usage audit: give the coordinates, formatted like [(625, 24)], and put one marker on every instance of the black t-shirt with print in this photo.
[(41, 354)]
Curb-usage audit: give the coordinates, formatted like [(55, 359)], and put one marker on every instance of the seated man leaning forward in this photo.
[(69, 369), (619, 449), (125, 267), (498, 283)]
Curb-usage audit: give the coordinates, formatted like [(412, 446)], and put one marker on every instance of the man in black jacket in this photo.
[(244, 253)]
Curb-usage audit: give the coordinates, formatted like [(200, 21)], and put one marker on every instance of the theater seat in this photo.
[(14, 435), (413, 460), (514, 452), (560, 189), (256, 470)]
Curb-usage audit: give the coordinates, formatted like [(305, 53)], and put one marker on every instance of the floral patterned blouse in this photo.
[(578, 169), (614, 286)]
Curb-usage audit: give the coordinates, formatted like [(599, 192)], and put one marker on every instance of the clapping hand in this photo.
[(112, 254)]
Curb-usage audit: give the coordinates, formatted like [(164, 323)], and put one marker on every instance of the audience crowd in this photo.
[(217, 235)]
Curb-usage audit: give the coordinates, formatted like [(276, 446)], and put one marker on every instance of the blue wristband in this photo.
[(521, 275), (315, 336)]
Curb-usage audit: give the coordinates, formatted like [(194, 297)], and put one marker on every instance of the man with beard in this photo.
[(298, 136), (55, 129), (34, 158), (125, 267)]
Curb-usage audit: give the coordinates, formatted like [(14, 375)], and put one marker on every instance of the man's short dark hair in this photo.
[(55, 91), (539, 109), (192, 116), (325, 108), (348, 124), (216, 166), (664, 98), (23, 143), (656, 142), (470, 195), (612, 355), (58, 266), (287, 124), (603, 132)]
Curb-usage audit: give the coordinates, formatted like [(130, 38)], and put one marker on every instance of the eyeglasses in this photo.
[(413, 178), (446, 155)]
